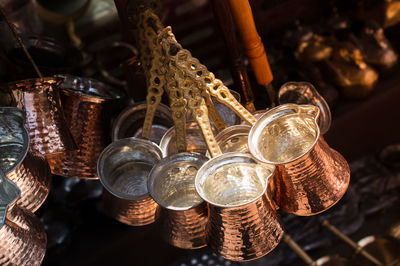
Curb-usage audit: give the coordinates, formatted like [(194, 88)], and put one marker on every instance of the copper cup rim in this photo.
[(154, 173), (223, 159), (103, 179), (20, 83), (270, 115), (317, 100), (101, 93), (229, 133), (9, 193), (128, 111), (170, 133), (25, 135)]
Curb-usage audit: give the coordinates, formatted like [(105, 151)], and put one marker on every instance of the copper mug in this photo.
[(123, 169), (22, 236), (45, 122), (311, 177), (183, 215), (28, 171), (243, 223), (87, 105)]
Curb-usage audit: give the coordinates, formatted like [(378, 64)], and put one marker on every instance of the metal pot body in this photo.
[(45, 121), (88, 106)]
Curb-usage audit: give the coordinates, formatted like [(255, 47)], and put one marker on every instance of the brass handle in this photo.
[(298, 250)]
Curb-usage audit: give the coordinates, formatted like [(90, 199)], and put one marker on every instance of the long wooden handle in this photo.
[(254, 47)]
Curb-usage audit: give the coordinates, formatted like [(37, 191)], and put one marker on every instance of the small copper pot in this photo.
[(234, 139), (194, 140), (311, 177), (22, 236), (129, 122), (28, 171), (88, 105), (45, 122), (243, 223), (183, 214), (123, 169)]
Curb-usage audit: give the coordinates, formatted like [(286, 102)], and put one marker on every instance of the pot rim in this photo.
[(268, 117), (221, 160), (100, 162)]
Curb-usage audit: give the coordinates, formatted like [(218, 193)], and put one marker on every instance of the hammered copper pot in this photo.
[(22, 236), (243, 223), (129, 122), (123, 169), (30, 172), (88, 105), (311, 177), (45, 121), (183, 215)]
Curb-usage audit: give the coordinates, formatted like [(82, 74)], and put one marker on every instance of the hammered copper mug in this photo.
[(243, 223), (29, 171), (22, 236), (123, 169), (88, 106), (183, 215), (45, 122), (311, 177)]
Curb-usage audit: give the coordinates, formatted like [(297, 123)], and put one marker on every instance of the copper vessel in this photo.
[(243, 224), (183, 214), (233, 139), (305, 93), (311, 177), (384, 249), (45, 120), (194, 140), (129, 122), (123, 169), (28, 171), (88, 105), (22, 236)]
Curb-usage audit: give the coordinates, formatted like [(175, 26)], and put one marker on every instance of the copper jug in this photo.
[(22, 236), (29, 171), (311, 177), (45, 122), (243, 223), (88, 106)]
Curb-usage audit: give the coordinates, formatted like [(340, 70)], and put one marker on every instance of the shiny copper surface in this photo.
[(87, 106), (29, 171), (185, 229), (33, 177), (384, 249), (22, 236), (130, 212), (184, 214), (311, 177), (44, 116), (123, 169), (243, 223)]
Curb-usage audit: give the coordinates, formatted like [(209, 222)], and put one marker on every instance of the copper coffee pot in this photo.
[(22, 236), (30, 172), (311, 177)]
